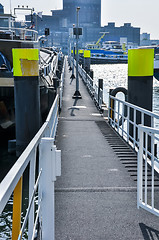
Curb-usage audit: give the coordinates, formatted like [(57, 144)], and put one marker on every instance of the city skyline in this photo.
[(141, 13)]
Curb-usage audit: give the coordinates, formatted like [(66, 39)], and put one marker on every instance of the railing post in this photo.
[(50, 169), (140, 169), (31, 188), (100, 87)]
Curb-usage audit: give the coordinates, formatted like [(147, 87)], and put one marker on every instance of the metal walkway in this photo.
[(96, 194)]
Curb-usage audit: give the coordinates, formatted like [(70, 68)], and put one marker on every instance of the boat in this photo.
[(156, 66), (11, 37), (107, 52)]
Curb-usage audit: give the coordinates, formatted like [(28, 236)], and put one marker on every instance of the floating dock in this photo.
[(96, 196)]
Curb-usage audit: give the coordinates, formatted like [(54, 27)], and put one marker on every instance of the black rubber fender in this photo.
[(125, 92)]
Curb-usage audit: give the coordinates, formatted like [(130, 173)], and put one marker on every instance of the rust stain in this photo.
[(29, 67)]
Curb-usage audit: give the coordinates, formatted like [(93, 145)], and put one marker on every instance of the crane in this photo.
[(104, 33)]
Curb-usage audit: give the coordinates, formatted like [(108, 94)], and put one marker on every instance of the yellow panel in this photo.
[(24, 56), (71, 51), (140, 62), (87, 53), (81, 51), (17, 203)]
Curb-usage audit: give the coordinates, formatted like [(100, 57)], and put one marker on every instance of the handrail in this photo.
[(7, 186), (94, 91), (12, 30), (122, 116), (148, 164)]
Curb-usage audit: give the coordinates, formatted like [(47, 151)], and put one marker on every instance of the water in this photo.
[(116, 75), (7, 161)]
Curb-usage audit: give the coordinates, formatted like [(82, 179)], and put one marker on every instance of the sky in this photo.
[(140, 13)]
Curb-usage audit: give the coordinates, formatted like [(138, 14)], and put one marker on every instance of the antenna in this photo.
[(10, 7)]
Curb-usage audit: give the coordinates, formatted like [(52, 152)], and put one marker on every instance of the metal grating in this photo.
[(126, 155)]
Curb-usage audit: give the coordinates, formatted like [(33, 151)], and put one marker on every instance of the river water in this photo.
[(114, 75)]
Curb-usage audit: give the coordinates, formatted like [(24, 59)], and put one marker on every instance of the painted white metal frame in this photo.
[(121, 118), (148, 163), (92, 88), (146, 145), (49, 156)]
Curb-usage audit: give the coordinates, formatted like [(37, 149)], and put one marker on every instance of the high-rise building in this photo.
[(61, 22), (90, 12)]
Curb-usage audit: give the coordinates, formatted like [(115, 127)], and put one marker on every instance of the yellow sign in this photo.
[(140, 62), (87, 53), (25, 62), (81, 51)]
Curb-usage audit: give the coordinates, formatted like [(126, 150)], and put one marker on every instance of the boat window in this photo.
[(4, 22)]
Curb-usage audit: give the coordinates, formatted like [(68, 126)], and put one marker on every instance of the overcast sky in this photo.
[(141, 13)]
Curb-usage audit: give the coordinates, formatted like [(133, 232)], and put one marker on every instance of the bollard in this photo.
[(91, 74), (100, 87), (27, 96), (87, 61), (140, 83), (111, 105)]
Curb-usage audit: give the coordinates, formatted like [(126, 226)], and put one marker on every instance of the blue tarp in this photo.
[(4, 60)]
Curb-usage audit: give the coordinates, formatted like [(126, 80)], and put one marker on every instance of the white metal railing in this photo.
[(20, 33), (148, 166), (62, 83), (125, 118), (49, 159), (93, 89)]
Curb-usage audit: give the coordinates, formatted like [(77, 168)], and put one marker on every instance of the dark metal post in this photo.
[(87, 61), (27, 96), (73, 76), (77, 93), (140, 82), (100, 87)]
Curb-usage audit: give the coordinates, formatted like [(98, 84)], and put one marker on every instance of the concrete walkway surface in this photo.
[(95, 197)]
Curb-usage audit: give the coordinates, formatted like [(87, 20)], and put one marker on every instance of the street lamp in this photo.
[(73, 76), (77, 93)]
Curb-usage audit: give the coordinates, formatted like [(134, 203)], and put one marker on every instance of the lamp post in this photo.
[(73, 76), (70, 52), (77, 92)]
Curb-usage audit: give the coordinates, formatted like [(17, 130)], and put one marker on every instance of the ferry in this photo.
[(109, 52)]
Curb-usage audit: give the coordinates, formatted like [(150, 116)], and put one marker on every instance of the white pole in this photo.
[(48, 165)]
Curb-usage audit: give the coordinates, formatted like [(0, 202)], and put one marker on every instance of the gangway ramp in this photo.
[(96, 196)]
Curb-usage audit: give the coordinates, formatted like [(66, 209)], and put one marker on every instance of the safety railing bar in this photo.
[(149, 113), (149, 129), (10, 181), (134, 127), (36, 221), (52, 108), (140, 169), (146, 139), (29, 206), (32, 171), (149, 208), (152, 168)]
